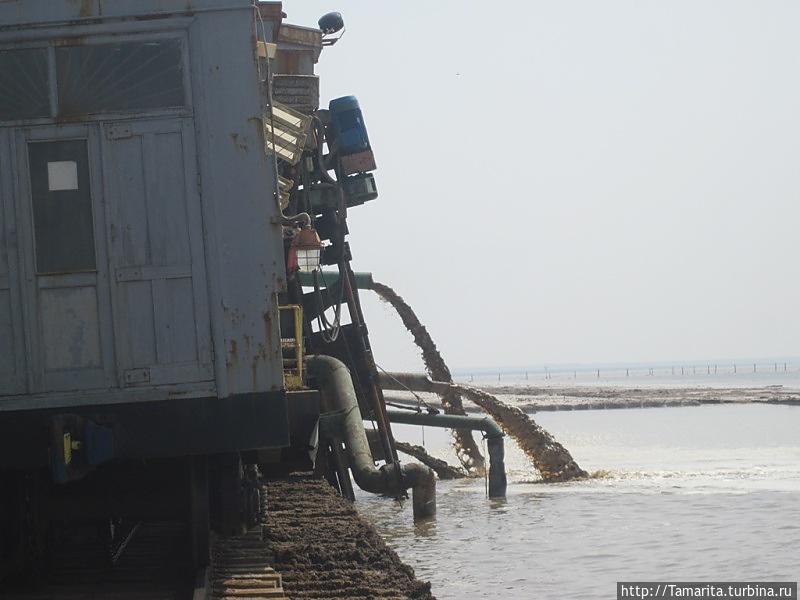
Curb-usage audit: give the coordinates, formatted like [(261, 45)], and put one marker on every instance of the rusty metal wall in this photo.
[(188, 249), (300, 92)]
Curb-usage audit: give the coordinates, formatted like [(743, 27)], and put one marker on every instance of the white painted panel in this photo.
[(62, 175), (70, 328), (13, 378), (142, 338), (7, 354), (157, 254), (176, 311)]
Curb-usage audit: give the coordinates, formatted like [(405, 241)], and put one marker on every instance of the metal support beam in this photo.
[(417, 382), (330, 278), (492, 432)]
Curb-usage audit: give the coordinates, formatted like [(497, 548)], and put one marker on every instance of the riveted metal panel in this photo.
[(12, 348), (67, 317), (189, 252), (239, 182), (160, 291)]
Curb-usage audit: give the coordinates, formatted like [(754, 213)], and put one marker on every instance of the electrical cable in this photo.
[(413, 409), (420, 401), (328, 330), (319, 132), (263, 35)]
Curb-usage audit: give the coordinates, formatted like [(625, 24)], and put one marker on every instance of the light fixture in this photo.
[(329, 24), (305, 252)]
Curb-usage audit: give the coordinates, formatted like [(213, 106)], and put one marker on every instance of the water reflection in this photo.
[(499, 504), (425, 529)]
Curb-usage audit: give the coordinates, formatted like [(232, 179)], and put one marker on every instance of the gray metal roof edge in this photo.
[(42, 12)]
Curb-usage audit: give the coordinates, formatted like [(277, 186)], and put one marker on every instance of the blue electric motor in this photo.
[(348, 125)]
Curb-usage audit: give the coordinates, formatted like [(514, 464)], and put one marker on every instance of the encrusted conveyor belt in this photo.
[(323, 549)]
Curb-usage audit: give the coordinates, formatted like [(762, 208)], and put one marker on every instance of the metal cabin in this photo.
[(141, 249), (159, 211)]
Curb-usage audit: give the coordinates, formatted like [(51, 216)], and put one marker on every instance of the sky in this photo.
[(578, 181)]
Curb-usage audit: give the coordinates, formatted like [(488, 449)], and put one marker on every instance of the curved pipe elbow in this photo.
[(422, 481), (374, 480), (492, 429), (338, 395)]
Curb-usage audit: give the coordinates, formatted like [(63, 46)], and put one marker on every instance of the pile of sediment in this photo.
[(567, 396), (324, 550), (466, 449)]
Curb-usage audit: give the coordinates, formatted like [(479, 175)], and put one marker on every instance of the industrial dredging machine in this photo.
[(169, 191)]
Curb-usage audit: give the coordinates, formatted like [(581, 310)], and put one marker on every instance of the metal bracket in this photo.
[(118, 132), (134, 376)]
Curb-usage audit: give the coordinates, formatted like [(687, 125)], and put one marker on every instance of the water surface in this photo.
[(691, 493)]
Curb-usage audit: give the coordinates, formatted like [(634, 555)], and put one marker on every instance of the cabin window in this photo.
[(120, 77), (24, 87), (62, 206)]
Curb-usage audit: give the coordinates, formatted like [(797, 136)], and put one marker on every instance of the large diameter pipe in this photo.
[(485, 424), (338, 395), (329, 278), (494, 440), (417, 382)]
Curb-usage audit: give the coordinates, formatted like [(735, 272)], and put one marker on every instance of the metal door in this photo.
[(65, 287), (12, 341), (156, 245)]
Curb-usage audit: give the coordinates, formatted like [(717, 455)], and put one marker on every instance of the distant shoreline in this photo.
[(532, 399)]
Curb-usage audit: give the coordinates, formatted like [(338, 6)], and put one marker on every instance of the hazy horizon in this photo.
[(576, 182), (742, 363)]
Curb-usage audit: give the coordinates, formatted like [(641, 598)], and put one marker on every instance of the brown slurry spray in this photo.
[(553, 461), (443, 470), (465, 446)]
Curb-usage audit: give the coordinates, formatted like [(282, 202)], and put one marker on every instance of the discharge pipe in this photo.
[(494, 439), (337, 395), (552, 460)]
